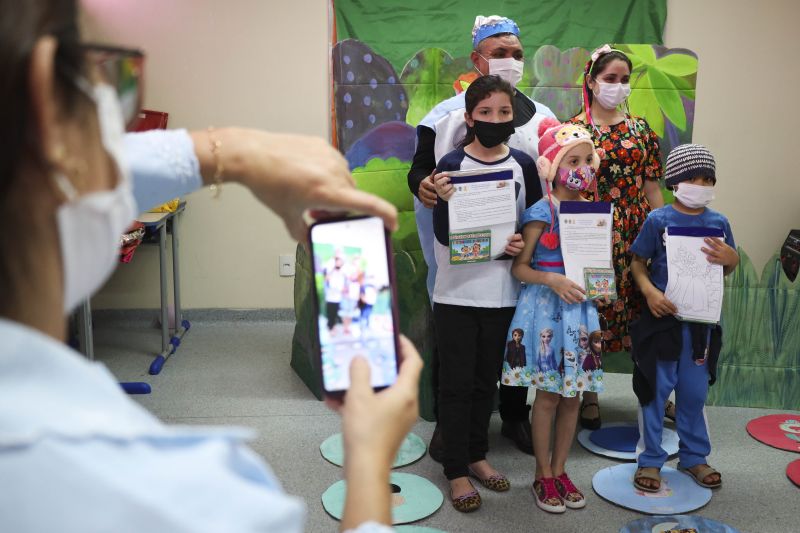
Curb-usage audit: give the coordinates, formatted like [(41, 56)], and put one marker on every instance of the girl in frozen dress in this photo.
[(556, 309)]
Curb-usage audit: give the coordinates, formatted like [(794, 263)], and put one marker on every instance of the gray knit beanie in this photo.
[(687, 161)]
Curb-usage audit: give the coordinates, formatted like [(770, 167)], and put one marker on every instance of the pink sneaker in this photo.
[(546, 494), (573, 498)]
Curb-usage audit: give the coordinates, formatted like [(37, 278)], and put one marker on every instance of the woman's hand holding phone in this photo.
[(374, 425)]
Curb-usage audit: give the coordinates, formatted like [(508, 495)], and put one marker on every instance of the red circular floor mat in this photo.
[(778, 431), (793, 471)]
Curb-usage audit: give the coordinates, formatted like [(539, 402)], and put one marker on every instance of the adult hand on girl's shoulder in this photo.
[(565, 288), (515, 245), (659, 304), (443, 186)]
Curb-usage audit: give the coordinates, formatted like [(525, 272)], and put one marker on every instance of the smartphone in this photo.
[(355, 298)]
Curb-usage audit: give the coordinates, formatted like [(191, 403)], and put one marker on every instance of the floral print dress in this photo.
[(629, 155)]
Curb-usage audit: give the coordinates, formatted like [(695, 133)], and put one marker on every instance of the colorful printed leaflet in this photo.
[(470, 247), (600, 283)]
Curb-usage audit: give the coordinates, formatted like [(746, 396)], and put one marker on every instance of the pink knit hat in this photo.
[(555, 140)]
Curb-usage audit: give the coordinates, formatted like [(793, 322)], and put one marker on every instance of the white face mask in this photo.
[(610, 95), (90, 226), (694, 196), (506, 68)]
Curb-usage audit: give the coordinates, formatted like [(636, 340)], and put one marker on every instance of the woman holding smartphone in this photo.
[(67, 431)]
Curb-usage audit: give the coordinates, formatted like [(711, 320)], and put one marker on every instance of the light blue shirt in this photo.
[(78, 455), (163, 166)]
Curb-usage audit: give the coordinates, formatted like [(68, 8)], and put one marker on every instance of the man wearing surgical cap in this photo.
[(496, 50)]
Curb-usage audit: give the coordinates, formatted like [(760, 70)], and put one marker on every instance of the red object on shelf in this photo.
[(151, 120)]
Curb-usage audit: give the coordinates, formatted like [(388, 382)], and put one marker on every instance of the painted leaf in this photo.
[(643, 52), (678, 65), (668, 98), (643, 103)]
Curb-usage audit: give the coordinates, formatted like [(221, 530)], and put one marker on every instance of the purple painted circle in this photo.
[(346, 60), (373, 83), (350, 75), (348, 124), (619, 439), (367, 100), (388, 104), (367, 58), (347, 98)]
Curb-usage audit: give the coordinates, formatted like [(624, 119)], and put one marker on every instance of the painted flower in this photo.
[(617, 237), (580, 384), (626, 143), (615, 168), (608, 146), (639, 182), (614, 192), (636, 154), (623, 128), (602, 153)]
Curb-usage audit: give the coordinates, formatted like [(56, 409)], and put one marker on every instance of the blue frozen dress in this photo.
[(561, 341)]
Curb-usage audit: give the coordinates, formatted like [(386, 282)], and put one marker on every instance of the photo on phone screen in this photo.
[(354, 296)]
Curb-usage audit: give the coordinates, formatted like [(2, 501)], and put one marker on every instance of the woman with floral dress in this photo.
[(630, 169)]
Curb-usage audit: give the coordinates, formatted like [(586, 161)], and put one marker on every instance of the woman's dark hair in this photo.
[(21, 25), (518, 330), (478, 91), (600, 65)]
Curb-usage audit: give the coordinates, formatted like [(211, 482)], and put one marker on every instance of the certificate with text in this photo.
[(585, 235), (484, 201)]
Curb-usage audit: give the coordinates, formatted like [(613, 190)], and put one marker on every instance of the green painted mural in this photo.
[(393, 63)]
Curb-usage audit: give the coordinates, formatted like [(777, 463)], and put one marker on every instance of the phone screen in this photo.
[(355, 300)]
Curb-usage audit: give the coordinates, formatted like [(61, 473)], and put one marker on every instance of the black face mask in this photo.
[(490, 134)]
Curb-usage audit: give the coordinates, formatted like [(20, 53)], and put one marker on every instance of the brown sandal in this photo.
[(641, 473), (700, 476)]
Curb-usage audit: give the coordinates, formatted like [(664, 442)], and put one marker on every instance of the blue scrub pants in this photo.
[(689, 380)]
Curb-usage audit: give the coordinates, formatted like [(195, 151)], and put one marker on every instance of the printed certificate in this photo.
[(484, 201), (585, 235)]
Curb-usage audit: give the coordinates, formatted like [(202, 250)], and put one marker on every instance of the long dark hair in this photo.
[(21, 25), (478, 91), (599, 66)]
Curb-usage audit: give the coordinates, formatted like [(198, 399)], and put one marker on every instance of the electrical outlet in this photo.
[(286, 265)]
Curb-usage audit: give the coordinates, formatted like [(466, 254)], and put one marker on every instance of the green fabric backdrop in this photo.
[(398, 30)]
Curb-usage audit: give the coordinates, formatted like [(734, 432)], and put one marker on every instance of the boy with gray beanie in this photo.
[(670, 354)]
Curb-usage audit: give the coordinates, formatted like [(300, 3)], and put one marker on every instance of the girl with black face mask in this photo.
[(474, 295)]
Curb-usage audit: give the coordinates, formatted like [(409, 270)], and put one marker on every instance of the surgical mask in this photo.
[(694, 196), (90, 226), (610, 95), (490, 134), (507, 68), (577, 179)]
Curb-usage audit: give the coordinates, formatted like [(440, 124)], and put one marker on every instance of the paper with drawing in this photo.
[(694, 285)]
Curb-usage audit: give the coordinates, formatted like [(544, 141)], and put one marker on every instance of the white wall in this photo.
[(747, 110), (264, 64), (246, 63)]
